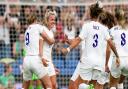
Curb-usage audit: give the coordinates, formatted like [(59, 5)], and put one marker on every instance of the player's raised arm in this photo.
[(74, 43), (77, 40)]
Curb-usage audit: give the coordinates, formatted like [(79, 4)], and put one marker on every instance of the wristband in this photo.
[(68, 49)]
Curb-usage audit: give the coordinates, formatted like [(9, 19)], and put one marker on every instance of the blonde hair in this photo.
[(47, 15), (69, 18), (31, 18), (120, 16)]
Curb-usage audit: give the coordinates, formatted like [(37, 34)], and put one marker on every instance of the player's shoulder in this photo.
[(86, 23), (115, 28), (44, 28), (35, 25)]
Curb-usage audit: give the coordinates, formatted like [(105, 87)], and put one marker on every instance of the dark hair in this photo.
[(31, 18), (95, 10), (107, 19), (12, 6)]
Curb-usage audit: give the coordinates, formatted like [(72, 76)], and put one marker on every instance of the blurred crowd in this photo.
[(64, 1)]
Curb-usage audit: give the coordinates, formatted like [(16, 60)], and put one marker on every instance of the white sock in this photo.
[(112, 88), (120, 86), (83, 86)]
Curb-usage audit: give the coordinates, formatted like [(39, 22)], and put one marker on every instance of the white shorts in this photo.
[(33, 64), (50, 69), (93, 74), (122, 69), (76, 73)]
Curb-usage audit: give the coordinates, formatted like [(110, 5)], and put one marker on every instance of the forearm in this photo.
[(108, 52), (75, 43), (41, 48), (47, 39), (113, 48)]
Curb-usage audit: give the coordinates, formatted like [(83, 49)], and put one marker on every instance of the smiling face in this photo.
[(51, 21)]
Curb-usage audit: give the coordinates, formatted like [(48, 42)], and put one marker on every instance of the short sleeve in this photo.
[(83, 33), (112, 32)]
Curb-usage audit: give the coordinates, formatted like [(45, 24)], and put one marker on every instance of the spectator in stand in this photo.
[(69, 29), (7, 80), (25, 12), (4, 38), (12, 18), (18, 46)]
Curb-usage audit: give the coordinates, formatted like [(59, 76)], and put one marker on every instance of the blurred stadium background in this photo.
[(13, 23)]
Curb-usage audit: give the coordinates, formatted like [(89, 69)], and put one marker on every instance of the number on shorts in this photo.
[(95, 37), (27, 39), (123, 40)]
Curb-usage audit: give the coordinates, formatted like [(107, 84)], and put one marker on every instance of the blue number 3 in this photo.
[(27, 39), (123, 41), (95, 37)]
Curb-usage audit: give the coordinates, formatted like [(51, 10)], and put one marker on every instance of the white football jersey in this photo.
[(95, 36), (32, 36), (70, 34), (120, 38), (47, 49)]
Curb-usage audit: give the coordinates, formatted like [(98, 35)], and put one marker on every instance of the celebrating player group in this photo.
[(104, 41)]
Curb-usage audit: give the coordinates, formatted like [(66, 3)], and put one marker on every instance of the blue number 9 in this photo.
[(95, 37), (27, 39)]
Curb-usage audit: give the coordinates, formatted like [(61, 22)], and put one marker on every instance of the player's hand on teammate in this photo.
[(64, 51), (117, 62), (45, 62)]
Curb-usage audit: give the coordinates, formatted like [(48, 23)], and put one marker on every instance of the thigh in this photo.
[(37, 67), (113, 81), (26, 84), (46, 81), (76, 73), (27, 75), (100, 76), (51, 69), (86, 74)]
